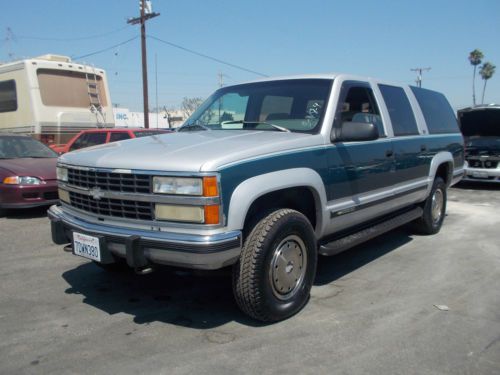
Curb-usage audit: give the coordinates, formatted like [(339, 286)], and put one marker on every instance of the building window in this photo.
[(8, 96)]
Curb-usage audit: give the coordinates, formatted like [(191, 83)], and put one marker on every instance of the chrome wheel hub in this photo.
[(288, 267), (437, 205)]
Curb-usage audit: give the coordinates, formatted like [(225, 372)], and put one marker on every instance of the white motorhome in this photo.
[(52, 98)]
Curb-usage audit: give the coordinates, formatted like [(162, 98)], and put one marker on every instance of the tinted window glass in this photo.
[(359, 105), (400, 112), (143, 133), (96, 139), (438, 114), (8, 96), (80, 142), (118, 137), (12, 147), (88, 139), (297, 105)]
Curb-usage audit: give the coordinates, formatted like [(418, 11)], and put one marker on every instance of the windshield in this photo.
[(290, 105), (12, 147), (482, 143)]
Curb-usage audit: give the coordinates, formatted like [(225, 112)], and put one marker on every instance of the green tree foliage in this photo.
[(475, 58), (487, 70)]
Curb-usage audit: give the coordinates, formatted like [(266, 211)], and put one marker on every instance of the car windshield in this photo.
[(13, 147), (296, 105), (485, 143)]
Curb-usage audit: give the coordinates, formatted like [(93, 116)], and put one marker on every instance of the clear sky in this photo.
[(382, 39)]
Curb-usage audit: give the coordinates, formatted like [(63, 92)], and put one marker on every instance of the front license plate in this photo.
[(480, 174), (86, 246)]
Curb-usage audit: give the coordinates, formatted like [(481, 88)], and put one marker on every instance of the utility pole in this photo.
[(419, 75), (221, 79), (146, 14)]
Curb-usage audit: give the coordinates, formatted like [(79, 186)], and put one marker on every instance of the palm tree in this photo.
[(475, 58), (486, 72)]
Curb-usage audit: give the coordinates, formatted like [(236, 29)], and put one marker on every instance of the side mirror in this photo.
[(356, 132)]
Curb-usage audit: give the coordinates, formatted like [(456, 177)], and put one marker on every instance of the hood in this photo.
[(202, 151), (480, 121), (44, 168)]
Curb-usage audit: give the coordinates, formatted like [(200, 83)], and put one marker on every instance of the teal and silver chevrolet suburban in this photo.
[(263, 177)]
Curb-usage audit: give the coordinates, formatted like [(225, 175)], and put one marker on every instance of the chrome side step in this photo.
[(351, 240)]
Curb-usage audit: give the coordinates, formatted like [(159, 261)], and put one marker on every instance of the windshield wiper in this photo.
[(274, 126), (193, 127)]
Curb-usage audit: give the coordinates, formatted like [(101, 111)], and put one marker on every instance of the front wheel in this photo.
[(277, 266), (434, 209)]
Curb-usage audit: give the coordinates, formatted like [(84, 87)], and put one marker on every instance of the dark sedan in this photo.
[(27, 173)]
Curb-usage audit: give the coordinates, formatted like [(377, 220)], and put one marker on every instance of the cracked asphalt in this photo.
[(399, 304)]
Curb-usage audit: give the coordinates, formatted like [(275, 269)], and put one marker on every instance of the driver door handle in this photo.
[(389, 153)]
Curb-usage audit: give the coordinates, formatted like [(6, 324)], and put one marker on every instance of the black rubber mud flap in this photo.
[(58, 234), (134, 253)]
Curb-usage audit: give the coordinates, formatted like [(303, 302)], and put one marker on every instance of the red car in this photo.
[(27, 173), (93, 137)]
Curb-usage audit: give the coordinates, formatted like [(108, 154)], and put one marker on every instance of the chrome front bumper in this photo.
[(152, 247), (482, 174)]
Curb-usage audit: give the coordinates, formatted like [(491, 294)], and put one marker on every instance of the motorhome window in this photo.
[(400, 111), (65, 88), (438, 114), (8, 96)]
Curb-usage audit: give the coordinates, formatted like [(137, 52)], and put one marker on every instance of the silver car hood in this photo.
[(203, 151)]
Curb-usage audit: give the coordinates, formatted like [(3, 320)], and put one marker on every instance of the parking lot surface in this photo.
[(399, 304)]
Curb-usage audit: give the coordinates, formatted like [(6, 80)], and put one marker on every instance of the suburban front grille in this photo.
[(122, 182), (112, 207), (488, 164)]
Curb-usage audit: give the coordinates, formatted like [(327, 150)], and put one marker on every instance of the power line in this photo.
[(104, 49), (207, 57), (72, 39)]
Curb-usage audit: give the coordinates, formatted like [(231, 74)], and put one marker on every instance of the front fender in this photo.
[(251, 189)]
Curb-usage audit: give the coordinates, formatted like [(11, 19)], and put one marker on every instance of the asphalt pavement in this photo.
[(399, 304)]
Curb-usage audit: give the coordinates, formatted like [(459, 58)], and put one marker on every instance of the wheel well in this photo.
[(297, 198), (444, 171)]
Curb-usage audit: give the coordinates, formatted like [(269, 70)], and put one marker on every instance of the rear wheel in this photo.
[(277, 266), (434, 209)]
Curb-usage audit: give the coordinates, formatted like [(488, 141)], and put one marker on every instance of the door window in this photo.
[(359, 105), (118, 136)]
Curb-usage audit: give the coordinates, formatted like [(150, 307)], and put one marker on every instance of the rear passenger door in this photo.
[(410, 149)]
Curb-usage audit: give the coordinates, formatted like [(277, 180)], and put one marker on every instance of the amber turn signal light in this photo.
[(210, 186)]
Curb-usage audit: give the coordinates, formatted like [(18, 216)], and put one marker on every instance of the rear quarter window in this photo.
[(400, 111), (437, 112)]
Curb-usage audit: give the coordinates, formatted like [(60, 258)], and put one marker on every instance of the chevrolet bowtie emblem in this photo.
[(96, 193)]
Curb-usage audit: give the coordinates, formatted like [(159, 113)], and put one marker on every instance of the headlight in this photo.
[(22, 180), (178, 185), (62, 174)]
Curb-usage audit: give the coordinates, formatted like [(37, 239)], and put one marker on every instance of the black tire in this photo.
[(434, 209), (274, 275)]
